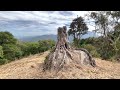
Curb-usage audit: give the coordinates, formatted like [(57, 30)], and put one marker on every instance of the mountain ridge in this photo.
[(52, 37)]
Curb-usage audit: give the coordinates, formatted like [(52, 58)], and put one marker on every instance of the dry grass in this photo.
[(31, 68), (24, 68)]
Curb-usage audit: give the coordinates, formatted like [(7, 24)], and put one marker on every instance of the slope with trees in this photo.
[(12, 49)]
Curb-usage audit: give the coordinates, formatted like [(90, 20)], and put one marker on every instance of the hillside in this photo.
[(31, 68), (37, 38)]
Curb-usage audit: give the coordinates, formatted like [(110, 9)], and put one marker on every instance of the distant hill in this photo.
[(37, 38), (52, 37)]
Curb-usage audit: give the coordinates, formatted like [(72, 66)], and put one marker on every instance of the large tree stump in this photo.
[(63, 55)]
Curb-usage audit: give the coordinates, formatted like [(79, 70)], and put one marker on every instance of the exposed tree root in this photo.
[(63, 55)]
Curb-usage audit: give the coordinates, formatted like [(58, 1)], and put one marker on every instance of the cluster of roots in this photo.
[(63, 55)]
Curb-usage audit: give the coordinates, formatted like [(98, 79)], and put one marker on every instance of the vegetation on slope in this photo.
[(12, 49)]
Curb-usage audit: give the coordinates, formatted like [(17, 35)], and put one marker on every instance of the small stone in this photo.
[(32, 66)]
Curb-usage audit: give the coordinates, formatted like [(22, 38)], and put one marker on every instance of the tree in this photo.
[(77, 28), (64, 56), (101, 22), (114, 34), (7, 38), (116, 39), (102, 26)]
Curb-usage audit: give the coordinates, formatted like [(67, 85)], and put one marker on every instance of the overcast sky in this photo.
[(34, 23)]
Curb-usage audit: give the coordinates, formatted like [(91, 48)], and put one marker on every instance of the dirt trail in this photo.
[(31, 68)]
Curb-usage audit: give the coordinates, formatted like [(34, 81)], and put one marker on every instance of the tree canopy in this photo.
[(7, 38), (77, 28)]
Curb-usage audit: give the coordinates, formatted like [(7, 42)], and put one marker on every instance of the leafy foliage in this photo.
[(77, 28), (12, 52), (91, 49), (1, 52), (2, 60), (45, 45), (7, 38), (31, 48)]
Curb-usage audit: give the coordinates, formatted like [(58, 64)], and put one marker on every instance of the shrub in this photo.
[(24, 48), (106, 51), (12, 52), (31, 48), (91, 49), (3, 61), (45, 45), (1, 52)]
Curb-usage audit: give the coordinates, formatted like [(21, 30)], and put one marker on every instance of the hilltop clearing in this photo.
[(31, 68)]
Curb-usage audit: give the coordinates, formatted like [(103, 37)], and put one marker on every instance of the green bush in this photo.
[(3, 61), (12, 52), (30, 48), (1, 52), (106, 51), (90, 40), (116, 52), (18, 54), (45, 45), (24, 48), (91, 49)]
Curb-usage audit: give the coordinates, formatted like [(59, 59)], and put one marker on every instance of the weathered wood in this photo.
[(64, 55)]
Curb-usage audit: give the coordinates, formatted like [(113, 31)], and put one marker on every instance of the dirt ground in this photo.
[(31, 68)]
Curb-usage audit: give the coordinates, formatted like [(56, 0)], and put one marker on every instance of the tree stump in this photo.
[(63, 55)]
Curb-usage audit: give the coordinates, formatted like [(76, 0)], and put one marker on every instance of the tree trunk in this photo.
[(63, 55)]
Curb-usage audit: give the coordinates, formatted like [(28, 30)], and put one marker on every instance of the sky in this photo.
[(36, 23)]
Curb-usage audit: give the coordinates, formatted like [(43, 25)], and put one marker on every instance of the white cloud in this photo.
[(37, 22)]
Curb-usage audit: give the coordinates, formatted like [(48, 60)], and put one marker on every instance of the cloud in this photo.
[(32, 23), (66, 13)]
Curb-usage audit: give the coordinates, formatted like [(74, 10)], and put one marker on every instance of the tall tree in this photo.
[(108, 24), (101, 22), (7, 38), (77, 28), (115, 34)]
